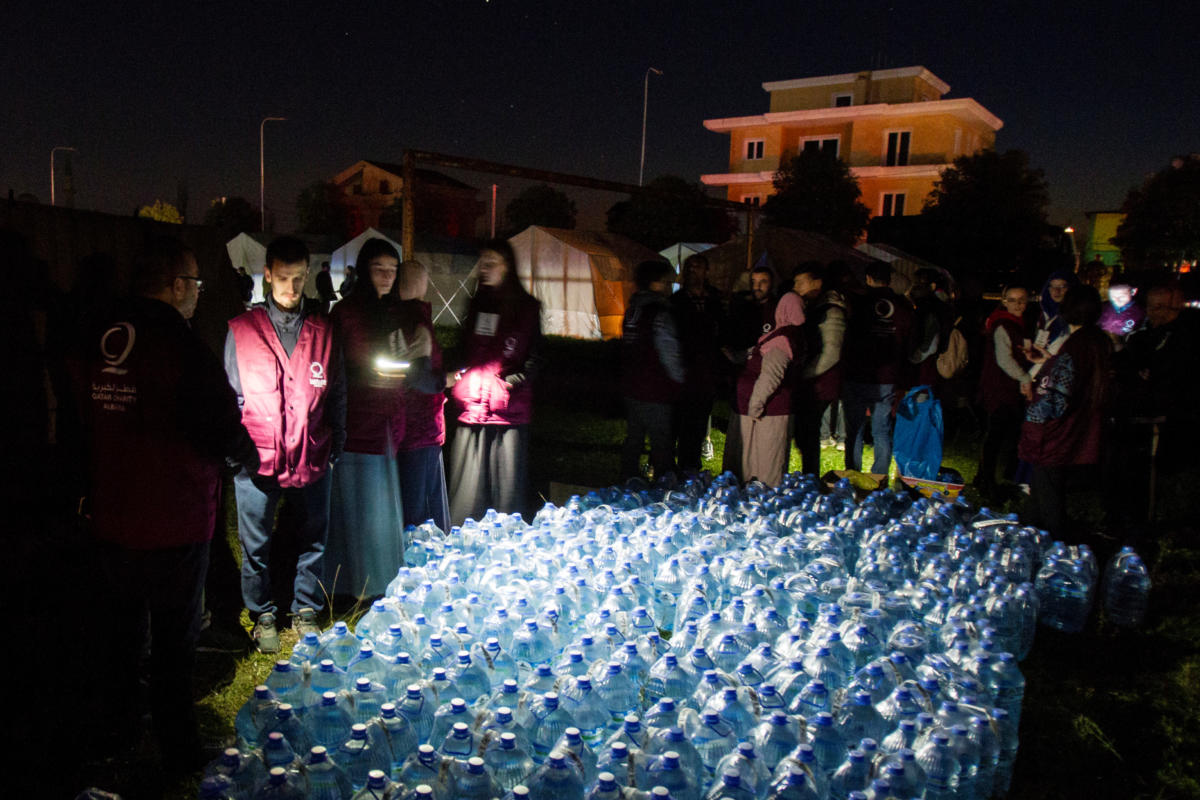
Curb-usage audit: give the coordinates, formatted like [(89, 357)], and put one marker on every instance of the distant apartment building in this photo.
[(442, 205), (892, 127)]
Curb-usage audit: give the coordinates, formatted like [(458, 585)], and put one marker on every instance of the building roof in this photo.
[(963, 106), (850, 77), (425, 175)]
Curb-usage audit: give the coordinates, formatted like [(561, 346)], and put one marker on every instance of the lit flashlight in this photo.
[(390, 367)]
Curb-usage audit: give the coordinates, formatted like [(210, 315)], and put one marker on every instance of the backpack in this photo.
[(952, 361)]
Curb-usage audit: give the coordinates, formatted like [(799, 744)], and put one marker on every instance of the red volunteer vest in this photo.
[(284, 398)]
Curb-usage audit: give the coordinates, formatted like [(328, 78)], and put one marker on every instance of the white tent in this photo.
[(249, 250), (904, 265), (583, 278), (347, 254), (679, 252)]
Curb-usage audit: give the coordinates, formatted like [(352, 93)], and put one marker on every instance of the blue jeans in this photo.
[(257, 499), (857, 398)]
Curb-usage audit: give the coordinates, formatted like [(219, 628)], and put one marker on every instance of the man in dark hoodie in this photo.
[(652, 370)]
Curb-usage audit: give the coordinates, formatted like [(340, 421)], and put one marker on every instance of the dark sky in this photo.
[(1099, 94)]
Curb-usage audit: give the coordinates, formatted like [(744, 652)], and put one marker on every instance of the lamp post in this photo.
[(645, 103), (54, 150), (262, 172)]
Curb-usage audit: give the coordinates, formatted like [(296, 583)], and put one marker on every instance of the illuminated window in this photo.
[(891, 204), (897, 148), (843, 100), (823, 144), (754, 149)]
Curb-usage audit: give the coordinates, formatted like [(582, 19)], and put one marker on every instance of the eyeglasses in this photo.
[(199, 283)]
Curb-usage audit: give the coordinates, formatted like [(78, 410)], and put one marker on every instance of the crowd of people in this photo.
[(329, 415), (1063, 387)]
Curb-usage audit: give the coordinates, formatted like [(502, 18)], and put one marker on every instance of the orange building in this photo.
[(892, 127)]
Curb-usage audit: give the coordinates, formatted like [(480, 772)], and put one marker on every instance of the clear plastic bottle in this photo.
[(1126, 589), (510, 764), (326, 780), (556, 780)]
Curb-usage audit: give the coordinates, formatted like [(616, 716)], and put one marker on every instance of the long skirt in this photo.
[(366, 543), (758, 448), (489, 468), (423, 487)]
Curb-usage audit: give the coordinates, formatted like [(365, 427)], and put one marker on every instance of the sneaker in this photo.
[(840, 447), (265, 636), (706, 450), (305, 621)]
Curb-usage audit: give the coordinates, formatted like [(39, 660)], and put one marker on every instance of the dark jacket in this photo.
[(698, 325), (878, 338), (374, 408), (159, 420), (652, 368)]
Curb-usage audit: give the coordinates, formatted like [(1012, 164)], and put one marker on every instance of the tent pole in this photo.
[(407, 233)]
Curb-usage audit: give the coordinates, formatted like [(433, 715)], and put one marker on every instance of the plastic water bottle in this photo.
[(606, 788), (378, 787), (244, 771), (854, 774), (730, 787), (549, 722), (712, 737), (214, 787), (587, 709), (339, 645), (471, 679), (418, 710), (744, 759), (368, 698), (326, 780), (734, 707), (281, 785), (424, 767), (578, 753), (796, 785), (775, 737), (447, 715), (665, 770), (827, 743), (556, 780), (1006, 743), (329, 723), (1007, 685), (400, 735), (286, 723), (277, 752), (941, 767), (1126, 589), (460, 743), (509, 764), (474, 782), (617, 694), (859, 720), (254, 714), (358, 756), (327, 677)]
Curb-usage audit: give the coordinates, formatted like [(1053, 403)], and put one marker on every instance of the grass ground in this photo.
[(1108, 714)]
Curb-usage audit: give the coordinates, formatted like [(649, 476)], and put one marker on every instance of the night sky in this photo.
[(1099, 94)]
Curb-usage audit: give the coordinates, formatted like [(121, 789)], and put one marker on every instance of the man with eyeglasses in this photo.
[(287, 373), (160, 420), (1004, 386)]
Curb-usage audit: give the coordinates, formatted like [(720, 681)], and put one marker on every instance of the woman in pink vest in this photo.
[(489, 460), (365, 546), (759, 436)]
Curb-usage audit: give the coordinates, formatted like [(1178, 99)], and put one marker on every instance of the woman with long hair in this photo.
[(489, 458), (365, 545)]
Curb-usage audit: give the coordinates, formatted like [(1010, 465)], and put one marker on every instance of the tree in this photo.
[(669, 210), (161, 212), (987, 212), (320, 209), (233, 215), (539, 205), (816, 192), (1162, 218)]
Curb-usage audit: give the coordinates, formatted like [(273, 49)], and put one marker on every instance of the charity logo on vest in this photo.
[(767, 327), (114, 355), (316, 374)]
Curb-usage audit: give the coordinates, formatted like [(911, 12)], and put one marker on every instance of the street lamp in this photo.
[(645, 101), (262, 173), (54, 150)]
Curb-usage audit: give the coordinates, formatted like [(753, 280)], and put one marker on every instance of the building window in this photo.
[(824, 144), (897, 148), (752, 199), (385, 187), (891, 204), (754, 149), (843, 100)]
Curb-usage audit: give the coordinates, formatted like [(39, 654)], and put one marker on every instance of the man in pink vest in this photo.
[(287, 371)]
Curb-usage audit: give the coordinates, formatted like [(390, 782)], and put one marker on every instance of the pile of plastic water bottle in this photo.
[(818, 648)]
